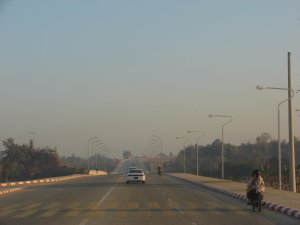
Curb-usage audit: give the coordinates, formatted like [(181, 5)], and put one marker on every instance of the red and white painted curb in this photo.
[(269, 205), (22, 183), (46, 180), (11, 190), (27, 182)]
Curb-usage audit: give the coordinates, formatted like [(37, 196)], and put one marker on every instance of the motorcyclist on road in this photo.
[(259, 184), (255, 188), (159, 170), (251, 187)]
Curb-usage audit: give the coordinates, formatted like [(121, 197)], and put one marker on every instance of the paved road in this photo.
[(104, 200)]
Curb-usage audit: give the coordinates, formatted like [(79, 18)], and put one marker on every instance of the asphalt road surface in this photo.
[(108, 200)]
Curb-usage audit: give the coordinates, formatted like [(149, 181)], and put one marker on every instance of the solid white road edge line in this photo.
[(104, 197), (85, 221)]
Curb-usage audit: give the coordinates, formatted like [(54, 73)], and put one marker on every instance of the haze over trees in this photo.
[(20, 162), (127, 154), (239, 161), (23, 162)]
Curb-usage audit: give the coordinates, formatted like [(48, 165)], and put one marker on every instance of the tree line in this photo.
[(20, 162), (23, 162), (239, 161)]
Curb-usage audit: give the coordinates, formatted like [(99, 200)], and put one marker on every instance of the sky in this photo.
[(126, 70)]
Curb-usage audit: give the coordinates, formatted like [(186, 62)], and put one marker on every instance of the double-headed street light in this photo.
[(202, 134), (292, 160), (184, 167), (230, 119)]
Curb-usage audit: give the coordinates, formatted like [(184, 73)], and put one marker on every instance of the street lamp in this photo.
[(96, 141), (104, 151), (184, 167), (260, 87), (196, 131), (161, 151), (88, 151), (97, 154), (155, 142), (230, 119), (100, 150), (151, 148)]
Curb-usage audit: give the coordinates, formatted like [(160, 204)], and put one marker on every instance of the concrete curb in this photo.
[(38, 181), (11, 190), (269, 205), (28, 182)]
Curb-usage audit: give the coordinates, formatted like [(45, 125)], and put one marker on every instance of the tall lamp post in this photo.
[(184, 165), (104, 151), (161, 150), (88, 151), (202, 134), (94, 142), (101, 149), (260, 87), (151, 147), (156, 142), (97, 154), (230, 119)]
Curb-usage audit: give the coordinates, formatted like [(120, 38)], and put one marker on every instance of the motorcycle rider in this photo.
[(251, 189), (259, 184), (255, 189), (159, 170)]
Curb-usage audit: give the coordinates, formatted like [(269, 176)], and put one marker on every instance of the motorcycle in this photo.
[(256, 202)]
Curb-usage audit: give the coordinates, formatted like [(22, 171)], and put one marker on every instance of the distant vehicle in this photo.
[(132, 168), (136, 175)]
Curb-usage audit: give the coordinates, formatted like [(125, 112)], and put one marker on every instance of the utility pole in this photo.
[(291, 130)]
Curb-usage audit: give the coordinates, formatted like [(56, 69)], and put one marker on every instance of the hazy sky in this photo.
[(125, 70)]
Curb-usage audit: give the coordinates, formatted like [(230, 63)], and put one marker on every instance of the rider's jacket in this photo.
[(251, 184), (259, 185)]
